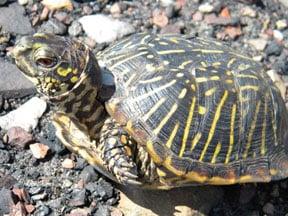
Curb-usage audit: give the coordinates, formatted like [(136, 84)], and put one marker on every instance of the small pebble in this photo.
[(206, 8), (39, 196), (6, 181), (87, 10), (103, 210), (39, 150), (79, 212), (278, 35), (4, 157), (68, 163), (258, 43), (284, 2), (23, 2), (3, 2), (197, 16), (273, 49), (248, 11), (30, 208), (56, 5), (115, 9), (75, 29), (78, 197), (268, 208), (53, 26), (281, 24), (116, 212), (18, 137), (160, 18), (67, 183)]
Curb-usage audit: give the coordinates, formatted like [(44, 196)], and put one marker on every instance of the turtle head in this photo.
[(56, 65)]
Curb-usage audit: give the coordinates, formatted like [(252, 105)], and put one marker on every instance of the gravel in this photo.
[(258, 28)]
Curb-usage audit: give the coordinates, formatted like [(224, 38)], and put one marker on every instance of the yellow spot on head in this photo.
[(47, 79), (75, 71), (123, 139), (74, 79), (63, 71)]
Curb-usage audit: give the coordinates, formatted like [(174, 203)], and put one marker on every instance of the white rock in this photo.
[(284, 2), (278, 35), (23, 2), (281, 24), (26, 116), (103, 28), (248, 11), (206, 8), (258, 43)]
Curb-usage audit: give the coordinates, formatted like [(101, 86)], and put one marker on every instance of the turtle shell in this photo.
[(203, 112)]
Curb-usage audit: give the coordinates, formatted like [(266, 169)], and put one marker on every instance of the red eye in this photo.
[(46, 62)]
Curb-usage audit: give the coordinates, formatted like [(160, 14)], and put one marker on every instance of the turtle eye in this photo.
[(45, 58), (46, 62)]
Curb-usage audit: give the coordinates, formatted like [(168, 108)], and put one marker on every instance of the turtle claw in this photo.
[(125, 173)]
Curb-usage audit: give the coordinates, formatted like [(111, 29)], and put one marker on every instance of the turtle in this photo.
[(162, 111)]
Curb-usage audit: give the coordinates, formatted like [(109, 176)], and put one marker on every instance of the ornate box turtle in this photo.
[(162, 110)]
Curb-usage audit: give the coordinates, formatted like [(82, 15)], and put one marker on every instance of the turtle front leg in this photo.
[(118, 152), (74, 136)]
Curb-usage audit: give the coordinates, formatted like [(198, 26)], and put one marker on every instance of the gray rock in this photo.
[(103, 210), (12, 19), (12, 82), (53, 26), (26, 116), (78, 197), (89, 174), (6, 201), (4, 156), (273, 49), (6, 181), (75, 29), (104, 29)]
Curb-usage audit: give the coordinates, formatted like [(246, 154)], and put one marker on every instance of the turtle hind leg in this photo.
[(118, 152)]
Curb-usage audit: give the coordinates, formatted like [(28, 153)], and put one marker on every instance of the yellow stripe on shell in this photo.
[(251, 131), (172, 135), (165, 52), (213, 125), (231, 138), (154, 108), (187, 127), (263, 135), (166, 118), (216, 152)]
